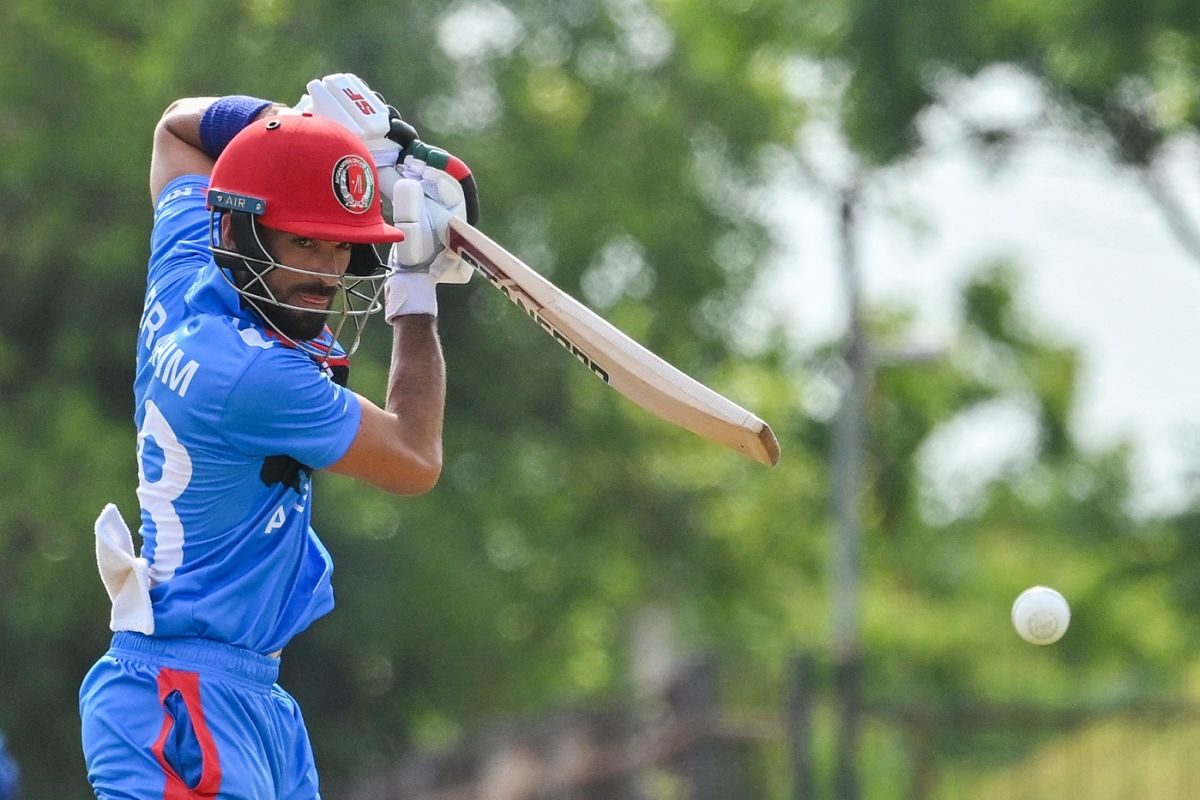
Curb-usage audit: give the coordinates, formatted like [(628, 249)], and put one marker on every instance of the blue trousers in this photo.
[(192, 718)]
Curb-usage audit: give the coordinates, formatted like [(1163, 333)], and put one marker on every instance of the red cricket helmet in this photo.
[(310, 177), (305, 175)]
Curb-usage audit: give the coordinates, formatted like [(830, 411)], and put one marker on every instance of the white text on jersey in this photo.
[(153, 318), (167, 359)]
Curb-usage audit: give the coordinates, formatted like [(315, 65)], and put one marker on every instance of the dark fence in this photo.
[(830, 741)]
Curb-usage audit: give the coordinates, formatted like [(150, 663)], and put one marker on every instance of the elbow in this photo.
[(394, 457), (176, 106), (176, 109), (424, 481), (162, 129), (180, 119), (186, 106), (416, 479)]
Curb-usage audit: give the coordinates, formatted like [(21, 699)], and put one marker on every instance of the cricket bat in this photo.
[(612, 356)]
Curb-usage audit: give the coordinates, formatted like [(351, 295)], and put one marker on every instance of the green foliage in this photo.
[(614, 143), (1124, 75)]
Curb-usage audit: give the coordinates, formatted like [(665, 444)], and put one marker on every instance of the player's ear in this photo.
[(226, 232)]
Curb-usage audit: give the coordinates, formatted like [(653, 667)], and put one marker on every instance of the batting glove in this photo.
[(346, 99), (424, 200)]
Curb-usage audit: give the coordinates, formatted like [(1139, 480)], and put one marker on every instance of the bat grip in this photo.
[(471, 195), (400, 131), (405, 135)]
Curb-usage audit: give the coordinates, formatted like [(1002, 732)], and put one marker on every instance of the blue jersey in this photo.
[(225, 409)]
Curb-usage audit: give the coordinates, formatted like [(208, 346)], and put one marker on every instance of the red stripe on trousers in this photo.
[(188, 685)]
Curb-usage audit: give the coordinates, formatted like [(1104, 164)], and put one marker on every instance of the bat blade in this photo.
[(614, 357)]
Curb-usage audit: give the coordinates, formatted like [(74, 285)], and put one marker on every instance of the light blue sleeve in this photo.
[(179, 241), (284, 405)]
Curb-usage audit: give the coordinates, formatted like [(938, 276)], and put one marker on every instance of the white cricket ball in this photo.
[(1041, 615)]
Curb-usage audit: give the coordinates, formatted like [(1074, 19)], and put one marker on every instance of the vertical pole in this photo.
[(713, 766), (801, 689), (848, 448), (695, 698)]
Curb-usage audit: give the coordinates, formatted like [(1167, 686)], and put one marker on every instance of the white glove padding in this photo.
[(423, 202), (419, 262), (346, 99), (441, 197)]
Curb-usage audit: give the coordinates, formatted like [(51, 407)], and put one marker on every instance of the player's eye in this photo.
[(344, 245), (303, 241)]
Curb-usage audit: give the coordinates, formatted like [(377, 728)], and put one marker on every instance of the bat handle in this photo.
[(400, 131), (405, 135)]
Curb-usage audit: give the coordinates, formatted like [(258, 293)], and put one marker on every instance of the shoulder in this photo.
[(181, 225), (283, 402), (271, 371), (185, 195)]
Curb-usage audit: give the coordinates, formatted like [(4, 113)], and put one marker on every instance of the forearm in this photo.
[(182, 118), (417, 385), (398, 448)]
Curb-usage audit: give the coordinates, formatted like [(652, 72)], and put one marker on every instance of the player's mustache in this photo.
[(316, 289)]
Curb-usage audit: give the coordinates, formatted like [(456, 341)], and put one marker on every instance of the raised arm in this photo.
[(178, 149)]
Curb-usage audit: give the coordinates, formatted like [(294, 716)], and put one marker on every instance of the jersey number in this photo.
[(158, 497)]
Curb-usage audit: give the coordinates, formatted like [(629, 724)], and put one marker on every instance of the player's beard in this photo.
[(294, 323)]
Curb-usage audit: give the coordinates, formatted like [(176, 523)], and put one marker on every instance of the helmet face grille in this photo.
[(357, 294)]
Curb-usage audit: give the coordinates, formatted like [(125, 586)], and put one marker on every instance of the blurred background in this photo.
[(949, 250)]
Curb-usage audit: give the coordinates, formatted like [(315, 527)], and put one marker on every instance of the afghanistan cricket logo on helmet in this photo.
[(354, 184), (310, 177)]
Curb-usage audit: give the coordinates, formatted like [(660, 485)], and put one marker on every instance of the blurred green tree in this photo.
[(1123, 78), (618, 146)]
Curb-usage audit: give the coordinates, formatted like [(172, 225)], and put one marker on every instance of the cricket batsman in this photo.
[(269, 242)]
